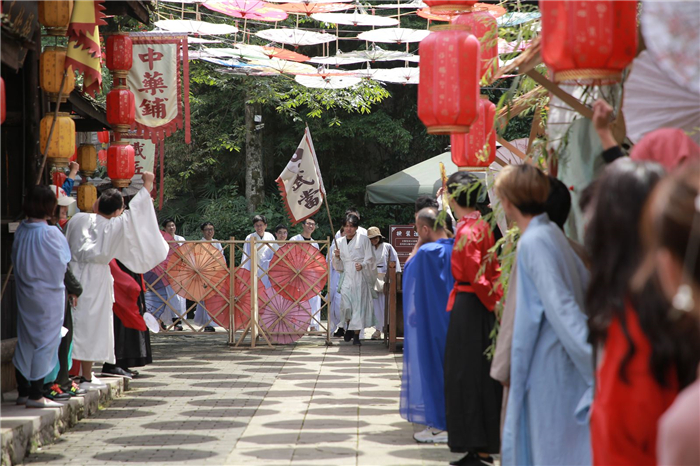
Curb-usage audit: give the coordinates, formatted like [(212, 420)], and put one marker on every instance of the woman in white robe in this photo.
[(384, 253), (95, 240), (355, 259), (40, 255)]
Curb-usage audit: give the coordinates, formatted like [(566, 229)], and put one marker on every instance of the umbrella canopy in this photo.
[(376, 53), (311, 2), (407, 185), (195, 27), (495, 10), (411, 5), (402, 75), (337, 60), (295, 37), (217, 304), (228, 52), (298, 271), (199, 40), (195, 269), (286, 321), (309, 9), (284, 66), (355, 19), (328, 82), (516, 18), (394, 35), (273, 52), (247, 9)]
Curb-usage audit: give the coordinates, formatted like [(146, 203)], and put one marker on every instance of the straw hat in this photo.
[(373, 232)]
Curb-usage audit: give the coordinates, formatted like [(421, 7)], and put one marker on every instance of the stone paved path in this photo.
[(204, 403)]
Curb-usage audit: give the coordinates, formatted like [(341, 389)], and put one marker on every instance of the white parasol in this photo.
[(355, 19), (337, 60), (195, 27), (376, 53), (652, 100), (283, 66), (199, 40), (410, 5), (329, 82), (295, 37), (403, 75), (226, 52), (394, 35)]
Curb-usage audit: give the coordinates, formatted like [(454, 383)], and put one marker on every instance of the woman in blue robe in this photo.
[(40, 255)]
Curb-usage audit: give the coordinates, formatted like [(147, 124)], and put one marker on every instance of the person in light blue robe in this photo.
[(40, 255), (427, 283), (551, 377)]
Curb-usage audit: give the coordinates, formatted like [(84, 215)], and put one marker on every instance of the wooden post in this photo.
[(392, 308), (232, 292), (253, 291)]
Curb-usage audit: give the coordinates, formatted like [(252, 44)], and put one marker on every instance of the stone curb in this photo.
[(23, 430)]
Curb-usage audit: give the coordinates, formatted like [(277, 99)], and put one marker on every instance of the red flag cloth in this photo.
[(126, 295)]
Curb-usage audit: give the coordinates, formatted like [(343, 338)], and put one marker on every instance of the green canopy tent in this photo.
[(406, 186)]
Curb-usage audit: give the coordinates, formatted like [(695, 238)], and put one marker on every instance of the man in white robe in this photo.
[(315, 302), (333, 296), (201, 316), (262, 250), (133, 238), (355, 258)]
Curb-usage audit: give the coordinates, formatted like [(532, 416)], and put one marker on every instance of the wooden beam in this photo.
[(511, 147), (570, 100)]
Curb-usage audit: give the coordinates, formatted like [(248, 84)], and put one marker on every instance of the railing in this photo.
[(275, 308)]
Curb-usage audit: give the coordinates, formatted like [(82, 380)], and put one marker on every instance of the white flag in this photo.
[(300, 183)]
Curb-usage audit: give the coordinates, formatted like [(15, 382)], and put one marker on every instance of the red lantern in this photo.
[(120, 164), (590, 41), (103, 137), (477, 148), (449, 5), (2, 101), (119, 54), (448, 90), (483, 25), (102, 156), (121, 109)]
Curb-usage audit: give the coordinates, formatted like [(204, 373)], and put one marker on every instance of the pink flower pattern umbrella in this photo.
[(284, 321), (247, 9)]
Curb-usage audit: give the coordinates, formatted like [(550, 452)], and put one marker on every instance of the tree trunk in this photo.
[(255, 185)]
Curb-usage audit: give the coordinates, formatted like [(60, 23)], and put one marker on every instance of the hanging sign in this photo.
[(144, 156)]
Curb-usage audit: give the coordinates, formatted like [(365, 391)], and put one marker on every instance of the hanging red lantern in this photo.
[(103, 137), (121, 110), (3, 111), (483, 25), (102, 157), (119, 54), (449, 5), (448, 90), (589, 41), (120, 164), (477, 148)]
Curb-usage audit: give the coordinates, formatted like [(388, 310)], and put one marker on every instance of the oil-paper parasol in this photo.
[(337, 60), (298, 271), (309, 9), (283, 66), (284, 320), (217, 304), (247, 9), (394, 35), (495, 10), (403, 75), (328, 82), (376, 53), (355, 19), (295, 37), (195, 269), (195, 27), (273, 52)]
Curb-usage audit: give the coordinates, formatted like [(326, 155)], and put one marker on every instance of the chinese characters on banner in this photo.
[(300, 182), (144, 156), (156, 84), (403, 238)]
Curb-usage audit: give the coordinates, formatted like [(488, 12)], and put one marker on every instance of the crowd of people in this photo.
[(598, 345)]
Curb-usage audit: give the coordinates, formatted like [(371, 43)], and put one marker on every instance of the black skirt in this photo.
[(472, 397), (132, 348)]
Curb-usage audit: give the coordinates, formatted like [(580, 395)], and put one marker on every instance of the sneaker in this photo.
[(73, 389), (43, 403), (21, 400), (431, 435), (91, 385), (472, 459), (55, 393), (377, 335)]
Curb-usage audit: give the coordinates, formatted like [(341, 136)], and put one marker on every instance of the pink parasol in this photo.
[(196, 269), (309, 9), (273, 52), (495, 10), (286, 321), (298, 271), (247, 9), (217, 303)]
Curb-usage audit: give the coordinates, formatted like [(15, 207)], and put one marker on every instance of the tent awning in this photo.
[(406, 186)]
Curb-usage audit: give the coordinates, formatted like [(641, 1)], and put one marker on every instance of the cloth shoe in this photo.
[(356, 340), (21, 400), (55, 393), (209, 328), (472, 459), (94, 384), (377, 335), (111, 370), (349, 335), (430, 435), (339, 333), (43, 403)]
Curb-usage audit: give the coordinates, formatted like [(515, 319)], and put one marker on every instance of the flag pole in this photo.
[(330, 220)]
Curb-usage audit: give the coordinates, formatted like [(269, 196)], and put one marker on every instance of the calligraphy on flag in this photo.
[(156, 84), (144, 156), (300, 183)]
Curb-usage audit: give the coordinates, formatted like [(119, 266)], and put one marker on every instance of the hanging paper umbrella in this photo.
[(311, 2), (516, 18), (411, 5), (355, 19), (403, 75), (495, 10), (217, 304), (298, 271), (295, 37), (376, 53), (511, 47), (283, 66), (228, 52), (247, 9), (199, 40), (286, 321), (196, 27), (273, 52), (331, 82), (394, 35), (337, 60), (194, 269), (309, 9)]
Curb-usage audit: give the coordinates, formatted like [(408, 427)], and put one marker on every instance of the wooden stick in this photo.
[(552, 87), (511, 147)]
